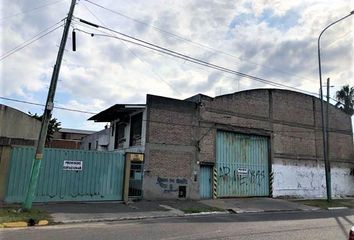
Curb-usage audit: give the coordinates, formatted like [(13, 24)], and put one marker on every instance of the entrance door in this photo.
[(136, 180), (205, 182), (242, 165)]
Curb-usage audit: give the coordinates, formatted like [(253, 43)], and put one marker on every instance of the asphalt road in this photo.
[(331, 225)]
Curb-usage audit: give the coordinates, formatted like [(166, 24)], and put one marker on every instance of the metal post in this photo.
[(327, 141), (328, 187), (327, 170), (47, 115)]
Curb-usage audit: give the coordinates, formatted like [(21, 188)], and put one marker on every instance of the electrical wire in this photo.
[(166, 51), (31, 40), (135, 55), (155, 47), (30, 10), (42, 105), (178, 36)]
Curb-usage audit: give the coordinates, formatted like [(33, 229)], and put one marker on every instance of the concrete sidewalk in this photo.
[(249, 205), (105, 211), (117, 211)]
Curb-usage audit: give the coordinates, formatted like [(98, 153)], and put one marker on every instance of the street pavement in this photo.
[(293, 225)]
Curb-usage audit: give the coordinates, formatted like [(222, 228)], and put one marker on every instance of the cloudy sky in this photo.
[(272, 39)]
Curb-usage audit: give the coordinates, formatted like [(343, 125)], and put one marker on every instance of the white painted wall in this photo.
[(310, 182), (102, 138)]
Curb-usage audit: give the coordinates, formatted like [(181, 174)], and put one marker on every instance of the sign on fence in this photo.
[(72, 165)]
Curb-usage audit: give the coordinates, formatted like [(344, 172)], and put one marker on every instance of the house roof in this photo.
[(77, 131), (116, 111)]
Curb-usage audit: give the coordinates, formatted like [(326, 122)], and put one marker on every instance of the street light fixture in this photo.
[(325, 157)]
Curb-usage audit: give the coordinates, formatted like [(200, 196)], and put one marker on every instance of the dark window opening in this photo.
[(119, 136), (89, 146), (135, 129)]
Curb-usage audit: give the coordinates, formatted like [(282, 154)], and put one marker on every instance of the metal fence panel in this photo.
[(100, 178), (242, 165)]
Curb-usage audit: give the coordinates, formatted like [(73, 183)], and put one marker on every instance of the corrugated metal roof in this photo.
[(116, 111)]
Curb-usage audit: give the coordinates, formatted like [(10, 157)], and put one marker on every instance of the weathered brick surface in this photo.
[(338, 120), (207, 144), (170, 121), (248, 102), (170, 164), (294, 141), (227, 119), (294, 122), (175, 142), (339, 149), (292, 107)]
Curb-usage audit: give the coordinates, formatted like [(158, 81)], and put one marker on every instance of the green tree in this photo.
[(345, 98), (53, 126)]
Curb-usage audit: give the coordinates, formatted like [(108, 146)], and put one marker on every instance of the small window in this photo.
[(89, 146), (135, 129), (96, 145)]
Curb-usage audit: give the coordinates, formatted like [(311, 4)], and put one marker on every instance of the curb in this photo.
[(23, 224), (337, 208), (140, 217)]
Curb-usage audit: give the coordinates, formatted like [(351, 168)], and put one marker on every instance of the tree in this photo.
[(345, 98), (53, 126)]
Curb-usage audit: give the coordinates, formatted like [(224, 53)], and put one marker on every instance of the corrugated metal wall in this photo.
[(205, 182), (101, 177), (242, 165)]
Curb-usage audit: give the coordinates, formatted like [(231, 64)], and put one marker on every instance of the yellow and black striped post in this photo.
[(271, 180), (215, 182)]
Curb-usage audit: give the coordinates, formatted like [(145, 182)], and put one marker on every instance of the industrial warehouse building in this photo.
[(263, 142)]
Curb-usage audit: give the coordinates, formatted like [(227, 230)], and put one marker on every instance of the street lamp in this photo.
[(325, 157)]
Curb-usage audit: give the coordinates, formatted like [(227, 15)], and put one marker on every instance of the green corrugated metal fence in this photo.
[(242, 165), (101, 177)]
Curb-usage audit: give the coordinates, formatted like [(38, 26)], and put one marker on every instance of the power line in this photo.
[(31, 40), (42, 105), (166, 51), (30, 10), (134, 54), (172, 53), (178, 36)]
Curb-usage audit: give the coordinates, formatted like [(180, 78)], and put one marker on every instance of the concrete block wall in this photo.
[(18, 125)]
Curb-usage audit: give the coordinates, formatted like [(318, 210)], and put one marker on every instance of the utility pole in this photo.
[(47, 115), (328, 167)]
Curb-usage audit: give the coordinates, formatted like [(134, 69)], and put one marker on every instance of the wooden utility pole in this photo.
[(47, 115)]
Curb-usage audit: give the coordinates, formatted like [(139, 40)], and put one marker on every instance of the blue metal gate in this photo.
[(242, 165), (67, 175), (205, 182)]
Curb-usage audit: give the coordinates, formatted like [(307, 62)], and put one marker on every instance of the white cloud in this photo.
[(104, 71)]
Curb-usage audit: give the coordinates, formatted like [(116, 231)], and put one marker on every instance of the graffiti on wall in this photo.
[(242, 176), (169, 185)]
